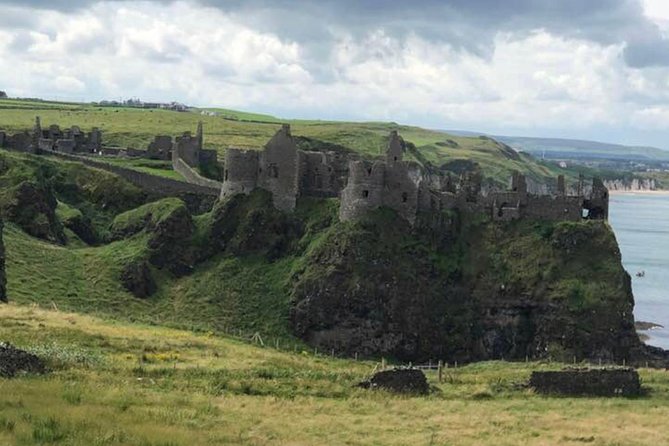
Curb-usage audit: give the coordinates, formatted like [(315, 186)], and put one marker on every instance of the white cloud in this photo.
[(204, 56)]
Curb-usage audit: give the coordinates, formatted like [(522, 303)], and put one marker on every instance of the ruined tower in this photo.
[(561, 190), (598, 202), (518, 183), (278, 170), (364, 191), (199, 135), (391, 183), (241, 172), (395, 149)]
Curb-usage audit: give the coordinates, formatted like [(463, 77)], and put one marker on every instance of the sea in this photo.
[(640, 222)]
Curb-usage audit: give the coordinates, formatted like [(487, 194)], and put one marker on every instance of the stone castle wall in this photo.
[(278, 172), (160, 186), (194, 177), (241, 172), (364, 191)]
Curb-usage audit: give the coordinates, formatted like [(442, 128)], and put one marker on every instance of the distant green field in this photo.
[(129, 127)]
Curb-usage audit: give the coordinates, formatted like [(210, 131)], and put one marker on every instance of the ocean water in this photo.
[(641, 225)]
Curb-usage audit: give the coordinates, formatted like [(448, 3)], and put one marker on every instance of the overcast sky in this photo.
[(595, 69)]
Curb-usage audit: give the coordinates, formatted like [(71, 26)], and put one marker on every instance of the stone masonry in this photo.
[(392, 182)]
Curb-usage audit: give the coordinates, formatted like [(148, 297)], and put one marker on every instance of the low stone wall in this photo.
[(192, 176), (149, 183), (587, 382)]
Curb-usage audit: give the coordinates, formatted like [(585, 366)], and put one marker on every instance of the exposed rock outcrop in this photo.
[(467, 289), (136, 278), (587, 382), (411, 381), (243, 226), (33, 208), (14, 361)]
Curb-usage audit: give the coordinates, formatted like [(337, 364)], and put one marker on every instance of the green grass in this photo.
[(154, 167), (128, 127), (150, 214), (222, 294), (117, 383)]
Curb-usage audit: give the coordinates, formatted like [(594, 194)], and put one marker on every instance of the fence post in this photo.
[(383, 363), (439, 370), (356, 356)]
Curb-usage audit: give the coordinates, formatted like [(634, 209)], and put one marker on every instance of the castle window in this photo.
[(405, 197), (365, 193), (273, 171), (225, 175), (395, 159), (369, 171)]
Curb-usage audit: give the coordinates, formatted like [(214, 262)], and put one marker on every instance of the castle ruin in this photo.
[(284, 170), (392, 182), (362, 185)]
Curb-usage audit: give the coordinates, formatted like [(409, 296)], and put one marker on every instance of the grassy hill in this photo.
[(576, 148), (120, 384), (136, 128)]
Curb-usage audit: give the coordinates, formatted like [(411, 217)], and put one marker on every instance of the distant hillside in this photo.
[(223, 128), (575, 148)]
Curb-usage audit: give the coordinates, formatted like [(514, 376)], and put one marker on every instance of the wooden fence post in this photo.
[(439, 370)]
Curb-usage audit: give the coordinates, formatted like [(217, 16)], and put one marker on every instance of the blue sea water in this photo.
[(641, 225)]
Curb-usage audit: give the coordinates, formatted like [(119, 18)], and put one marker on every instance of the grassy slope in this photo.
[(117, 384), (222, 294), (136, 127)]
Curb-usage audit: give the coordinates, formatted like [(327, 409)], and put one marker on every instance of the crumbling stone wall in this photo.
[(160, 186), (65, 145), (518, 203), (188, 147), (240, 175), (67, 141), (587, 382), (21, 142), (364, 191), (317, 178), (192, 176), (160, 148), (278, 172), (393, 183), (285, 171), (554, 208)]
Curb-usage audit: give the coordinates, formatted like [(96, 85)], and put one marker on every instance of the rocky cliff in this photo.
[(462, 288), (632, 185)]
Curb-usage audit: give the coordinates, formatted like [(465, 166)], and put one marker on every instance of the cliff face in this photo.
[(461, 288), (632, 185)]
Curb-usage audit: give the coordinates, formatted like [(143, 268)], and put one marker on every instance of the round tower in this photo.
[(364, 191)]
